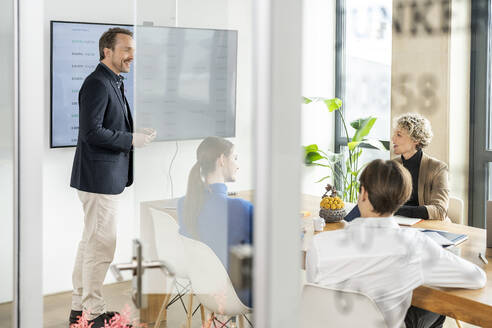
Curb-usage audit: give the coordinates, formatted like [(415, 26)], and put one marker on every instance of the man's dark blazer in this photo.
[(103, 160)]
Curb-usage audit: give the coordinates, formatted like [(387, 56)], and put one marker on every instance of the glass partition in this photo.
[(194, 162), (193, 88), (197, 107)]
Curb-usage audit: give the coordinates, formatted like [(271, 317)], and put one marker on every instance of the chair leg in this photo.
[(202, 312), (180, 292), (210, 320), (163, 312), (241, 321), (190, 310), (223, 324), (458, 323), (246, 318)]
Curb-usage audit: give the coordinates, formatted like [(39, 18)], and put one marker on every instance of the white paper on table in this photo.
[(401, 220)]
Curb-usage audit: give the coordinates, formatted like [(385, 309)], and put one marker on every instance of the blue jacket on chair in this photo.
[(223, 222), (103, 160)]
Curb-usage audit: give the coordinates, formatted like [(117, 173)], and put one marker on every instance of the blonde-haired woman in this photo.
[(430, 193)]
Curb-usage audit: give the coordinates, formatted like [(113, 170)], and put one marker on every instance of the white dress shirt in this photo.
[(378, 258)]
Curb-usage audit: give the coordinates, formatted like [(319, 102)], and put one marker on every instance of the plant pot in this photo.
[(331, 216)]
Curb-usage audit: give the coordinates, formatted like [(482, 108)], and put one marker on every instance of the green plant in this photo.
[(345, 176)]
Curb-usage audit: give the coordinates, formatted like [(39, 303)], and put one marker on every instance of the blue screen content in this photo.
[(75, 54)]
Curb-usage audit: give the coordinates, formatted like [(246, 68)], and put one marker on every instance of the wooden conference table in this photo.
[(472, 306)]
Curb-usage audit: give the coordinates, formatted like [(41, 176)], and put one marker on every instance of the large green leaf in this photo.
[(331, 157), (333, 104), (312, 157), (375, 143), (356, 124), (353, 144), (362, 127), (311, 148)]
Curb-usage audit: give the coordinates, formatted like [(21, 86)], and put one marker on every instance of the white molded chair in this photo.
[(212, 285), (169, 249), (323, 307), (455, 210)]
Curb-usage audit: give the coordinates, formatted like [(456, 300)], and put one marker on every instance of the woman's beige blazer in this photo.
[(433, 186)]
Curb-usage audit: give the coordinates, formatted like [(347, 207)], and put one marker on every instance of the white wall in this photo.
[(62, 210), (318, 125)]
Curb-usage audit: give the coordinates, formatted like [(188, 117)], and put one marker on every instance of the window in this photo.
[(363, 67)]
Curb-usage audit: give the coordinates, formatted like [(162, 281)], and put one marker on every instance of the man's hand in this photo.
[(144, 137)]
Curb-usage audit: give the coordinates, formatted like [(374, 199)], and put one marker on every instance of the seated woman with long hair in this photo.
[(206, 213), (430, 192)]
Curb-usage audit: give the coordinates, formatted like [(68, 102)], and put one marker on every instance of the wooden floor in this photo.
[(57, 306), (117, 296), (6, 315)]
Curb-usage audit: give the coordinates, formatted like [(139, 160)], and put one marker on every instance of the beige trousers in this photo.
[(95, 252)]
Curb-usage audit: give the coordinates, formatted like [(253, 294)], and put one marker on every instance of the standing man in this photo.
[(102, 168)]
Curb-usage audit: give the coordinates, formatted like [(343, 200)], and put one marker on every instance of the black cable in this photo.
[(170, 168)]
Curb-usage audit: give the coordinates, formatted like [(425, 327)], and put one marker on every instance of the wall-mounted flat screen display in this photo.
[(185, 82)]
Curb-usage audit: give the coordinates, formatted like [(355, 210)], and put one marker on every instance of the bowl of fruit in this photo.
[(332, 208)]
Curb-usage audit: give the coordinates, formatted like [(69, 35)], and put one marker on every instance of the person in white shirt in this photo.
[(373, 255)]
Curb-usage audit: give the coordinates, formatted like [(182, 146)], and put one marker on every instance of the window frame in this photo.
[(480, 156)]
